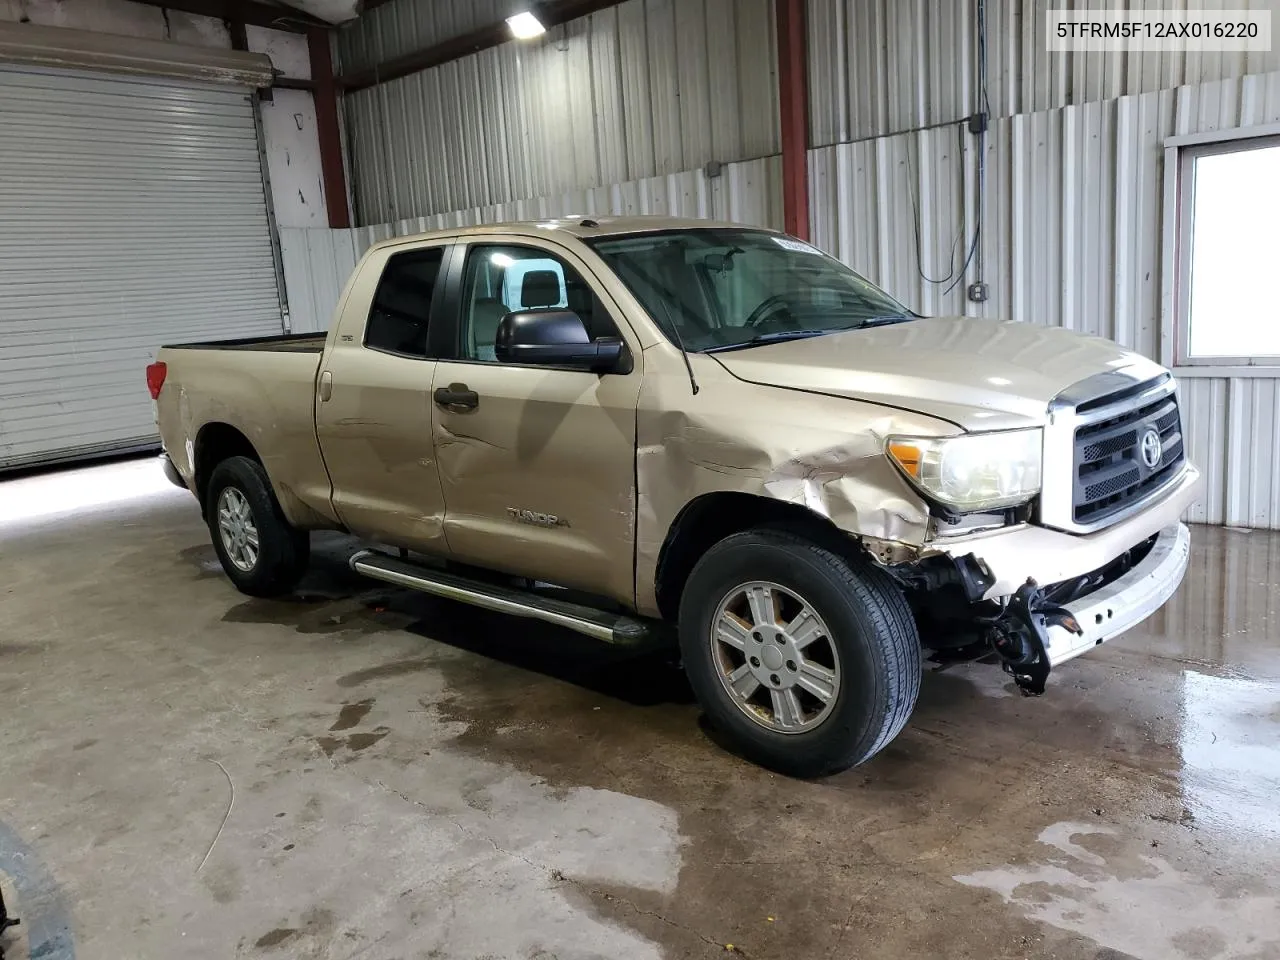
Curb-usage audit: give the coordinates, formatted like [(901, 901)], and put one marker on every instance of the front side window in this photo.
[(1229, 224), (402, 303), (510, 279), (718, 289)]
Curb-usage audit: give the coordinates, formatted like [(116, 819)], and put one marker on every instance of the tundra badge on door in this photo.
[(535, 518)]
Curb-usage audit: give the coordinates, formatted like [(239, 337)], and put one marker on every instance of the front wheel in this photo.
[(809, 663), (259, 549)]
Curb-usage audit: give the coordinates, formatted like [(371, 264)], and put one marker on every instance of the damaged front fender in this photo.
[(822, 453)]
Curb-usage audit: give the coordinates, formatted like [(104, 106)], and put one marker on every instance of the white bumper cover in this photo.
[(1051, 556), (1126, 602)]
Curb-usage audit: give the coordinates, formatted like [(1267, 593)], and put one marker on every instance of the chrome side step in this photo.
[(598, 624)]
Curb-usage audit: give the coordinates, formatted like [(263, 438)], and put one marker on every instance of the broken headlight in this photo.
[(975, 471)]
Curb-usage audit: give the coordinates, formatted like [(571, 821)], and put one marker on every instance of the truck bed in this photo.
[(262, 388), (285, 343)]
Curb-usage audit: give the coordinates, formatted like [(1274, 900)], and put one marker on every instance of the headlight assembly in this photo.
[(975, 471)]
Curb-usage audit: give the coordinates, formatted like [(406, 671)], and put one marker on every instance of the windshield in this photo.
[(724, 289)]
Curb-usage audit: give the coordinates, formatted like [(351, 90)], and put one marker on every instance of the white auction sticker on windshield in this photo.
[(798, 246)]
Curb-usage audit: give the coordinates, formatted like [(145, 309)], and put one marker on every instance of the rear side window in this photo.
[(402, 303)]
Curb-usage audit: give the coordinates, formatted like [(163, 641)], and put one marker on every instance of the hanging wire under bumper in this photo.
[(1035, 632)]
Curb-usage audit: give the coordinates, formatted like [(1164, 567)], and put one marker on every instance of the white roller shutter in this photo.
[(132, 214)]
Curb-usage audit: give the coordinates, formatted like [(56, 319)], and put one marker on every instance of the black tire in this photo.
[(870, 626), (283, 552)]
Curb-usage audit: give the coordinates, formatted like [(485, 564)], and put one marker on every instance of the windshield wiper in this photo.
[(778, 336), (781, 336), (883, 321)]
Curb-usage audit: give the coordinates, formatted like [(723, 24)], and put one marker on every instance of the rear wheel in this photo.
[(259, 549), (809, 663)]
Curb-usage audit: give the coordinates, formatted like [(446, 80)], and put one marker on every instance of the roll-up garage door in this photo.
[(132, 214)]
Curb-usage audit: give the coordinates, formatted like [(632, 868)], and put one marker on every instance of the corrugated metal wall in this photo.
[(647, 88), (1072, 237), (404, 26), (317, 261), (880, 67)]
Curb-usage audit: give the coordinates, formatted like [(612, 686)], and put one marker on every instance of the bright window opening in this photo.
[(1230, 235)]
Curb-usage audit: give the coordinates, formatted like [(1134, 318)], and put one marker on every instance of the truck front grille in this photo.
[(1111, 458)]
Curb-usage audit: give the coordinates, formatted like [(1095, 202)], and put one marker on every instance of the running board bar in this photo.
[(598, 624)]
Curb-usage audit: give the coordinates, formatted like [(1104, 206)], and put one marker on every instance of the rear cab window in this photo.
[(400, 314)]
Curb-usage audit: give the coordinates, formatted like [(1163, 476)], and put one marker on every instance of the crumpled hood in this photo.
[(979, 374)]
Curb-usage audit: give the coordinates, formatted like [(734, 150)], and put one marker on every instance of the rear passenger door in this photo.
[(373, 404)]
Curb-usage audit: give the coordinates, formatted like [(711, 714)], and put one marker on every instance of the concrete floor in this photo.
[(410, 778)]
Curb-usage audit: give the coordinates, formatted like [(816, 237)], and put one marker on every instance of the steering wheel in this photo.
[(766, 308)]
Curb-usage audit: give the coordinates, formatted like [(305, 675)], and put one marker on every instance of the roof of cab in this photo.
[(582, 227)]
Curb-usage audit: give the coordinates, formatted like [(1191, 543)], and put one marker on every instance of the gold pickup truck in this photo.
[(651, 430)]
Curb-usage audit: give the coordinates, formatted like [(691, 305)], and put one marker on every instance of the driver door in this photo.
[(537, 465)]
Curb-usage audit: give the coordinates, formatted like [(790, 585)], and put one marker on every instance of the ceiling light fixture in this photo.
[(525, 26)]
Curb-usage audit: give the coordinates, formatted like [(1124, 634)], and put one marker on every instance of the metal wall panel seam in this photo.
[(1237, 445), (276, 260)]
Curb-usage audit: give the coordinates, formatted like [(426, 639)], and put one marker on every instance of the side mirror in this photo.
[(556, 338)]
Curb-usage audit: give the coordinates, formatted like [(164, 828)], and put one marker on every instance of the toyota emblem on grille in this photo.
[(1151, 448)]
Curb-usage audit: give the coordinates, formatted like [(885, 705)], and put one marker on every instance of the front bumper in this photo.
[(1051, 556), (1125, 602)]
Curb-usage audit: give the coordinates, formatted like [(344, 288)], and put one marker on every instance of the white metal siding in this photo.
[(644, 89), (1073, 230), (880, 67), (317, 261), (133, 215)]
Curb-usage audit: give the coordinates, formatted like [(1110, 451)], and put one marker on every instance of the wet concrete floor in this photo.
[(362, 772)]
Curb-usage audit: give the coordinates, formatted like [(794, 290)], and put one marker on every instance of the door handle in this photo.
[(326, 386), (457, 396)]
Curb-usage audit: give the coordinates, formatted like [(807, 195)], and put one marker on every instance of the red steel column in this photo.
[(326, 98), (793, 98)]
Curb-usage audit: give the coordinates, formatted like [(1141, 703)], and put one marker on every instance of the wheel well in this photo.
[(708, 519), (214, 443)]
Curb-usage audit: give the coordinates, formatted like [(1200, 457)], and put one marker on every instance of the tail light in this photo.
[(155, 378)]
